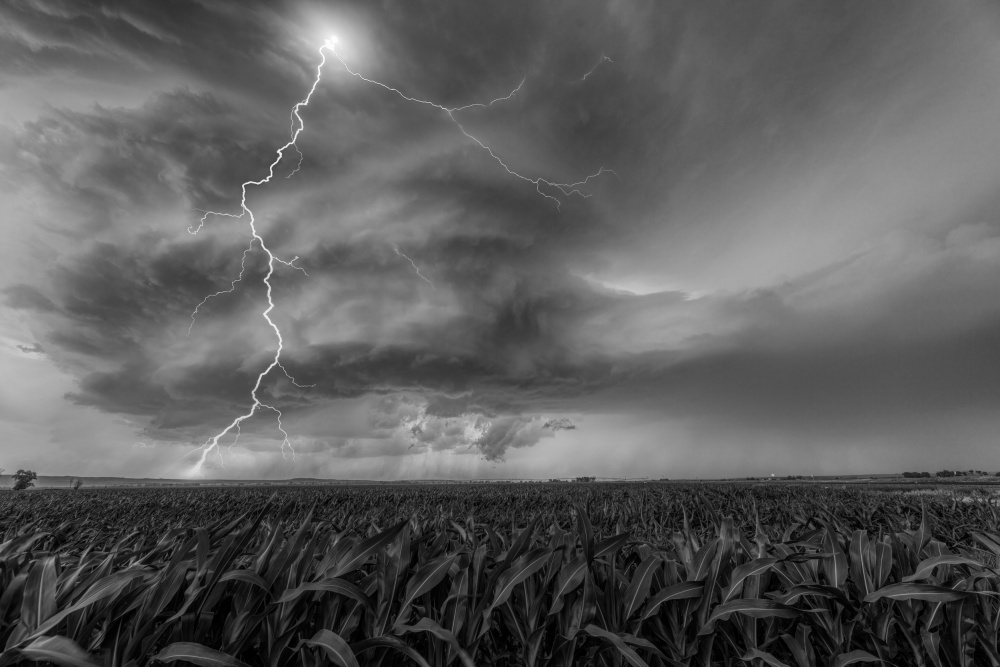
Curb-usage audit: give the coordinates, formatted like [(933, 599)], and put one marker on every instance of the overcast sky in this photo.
[(794, 267)]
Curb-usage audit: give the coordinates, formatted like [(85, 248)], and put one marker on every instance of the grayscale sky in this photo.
[(794, 268)]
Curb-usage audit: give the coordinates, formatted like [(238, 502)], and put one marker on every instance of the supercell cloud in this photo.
[(794, 267)]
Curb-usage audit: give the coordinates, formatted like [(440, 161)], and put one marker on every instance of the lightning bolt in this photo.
[(232, 288), (604, 59), (211, 446), (414, 265), (298, 125), (239, 432), (567, 189)]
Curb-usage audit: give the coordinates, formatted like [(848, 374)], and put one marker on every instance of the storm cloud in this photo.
[(798, 247)]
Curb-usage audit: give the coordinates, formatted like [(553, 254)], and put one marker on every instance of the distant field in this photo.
[(650, 510), (65, 481), (502, 574)]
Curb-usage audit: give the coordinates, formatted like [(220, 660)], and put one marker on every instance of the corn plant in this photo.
[(439, 576)]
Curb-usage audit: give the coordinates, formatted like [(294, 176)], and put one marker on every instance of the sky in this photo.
[(786, 261)]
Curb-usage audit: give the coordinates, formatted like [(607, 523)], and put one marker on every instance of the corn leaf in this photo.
[(426, 578), (429, 626), (334, 646), (60, 650), (329, 585), (520, 569), (853, 657), (627, 652), (389, 643), (570, 577), (39, 602), (926, 566), (681, 591), (755, 608), (198, 655), (364, 550), (926, 592), (638, 589)]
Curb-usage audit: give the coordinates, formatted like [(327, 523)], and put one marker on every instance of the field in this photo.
[(502, 574)]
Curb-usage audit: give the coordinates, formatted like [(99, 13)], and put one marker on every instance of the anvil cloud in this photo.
[(794, 268)]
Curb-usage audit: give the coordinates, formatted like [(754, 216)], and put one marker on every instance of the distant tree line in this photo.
[(950, 473)]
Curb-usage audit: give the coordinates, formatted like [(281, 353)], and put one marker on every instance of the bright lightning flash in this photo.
[(566, 189), (212, 445)]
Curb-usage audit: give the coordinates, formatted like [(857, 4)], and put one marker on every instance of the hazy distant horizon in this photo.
[(793, 267), (44, 481)]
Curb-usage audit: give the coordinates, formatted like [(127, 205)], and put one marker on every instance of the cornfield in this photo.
[(541, 574)]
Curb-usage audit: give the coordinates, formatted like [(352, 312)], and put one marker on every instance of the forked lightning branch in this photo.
[(546, 188)]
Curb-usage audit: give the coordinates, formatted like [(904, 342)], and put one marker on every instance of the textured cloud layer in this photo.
[(800, 242)]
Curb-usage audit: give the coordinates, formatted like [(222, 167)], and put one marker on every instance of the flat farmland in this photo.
[(502, 574)]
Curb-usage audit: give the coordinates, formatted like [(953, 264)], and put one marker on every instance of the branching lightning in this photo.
[(567, 189), (232, 288), (211, 446), (232, 444)]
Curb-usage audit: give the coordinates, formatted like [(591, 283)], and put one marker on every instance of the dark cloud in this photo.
[(769, 253), (27, 297), (114, 166), (506, 433)]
